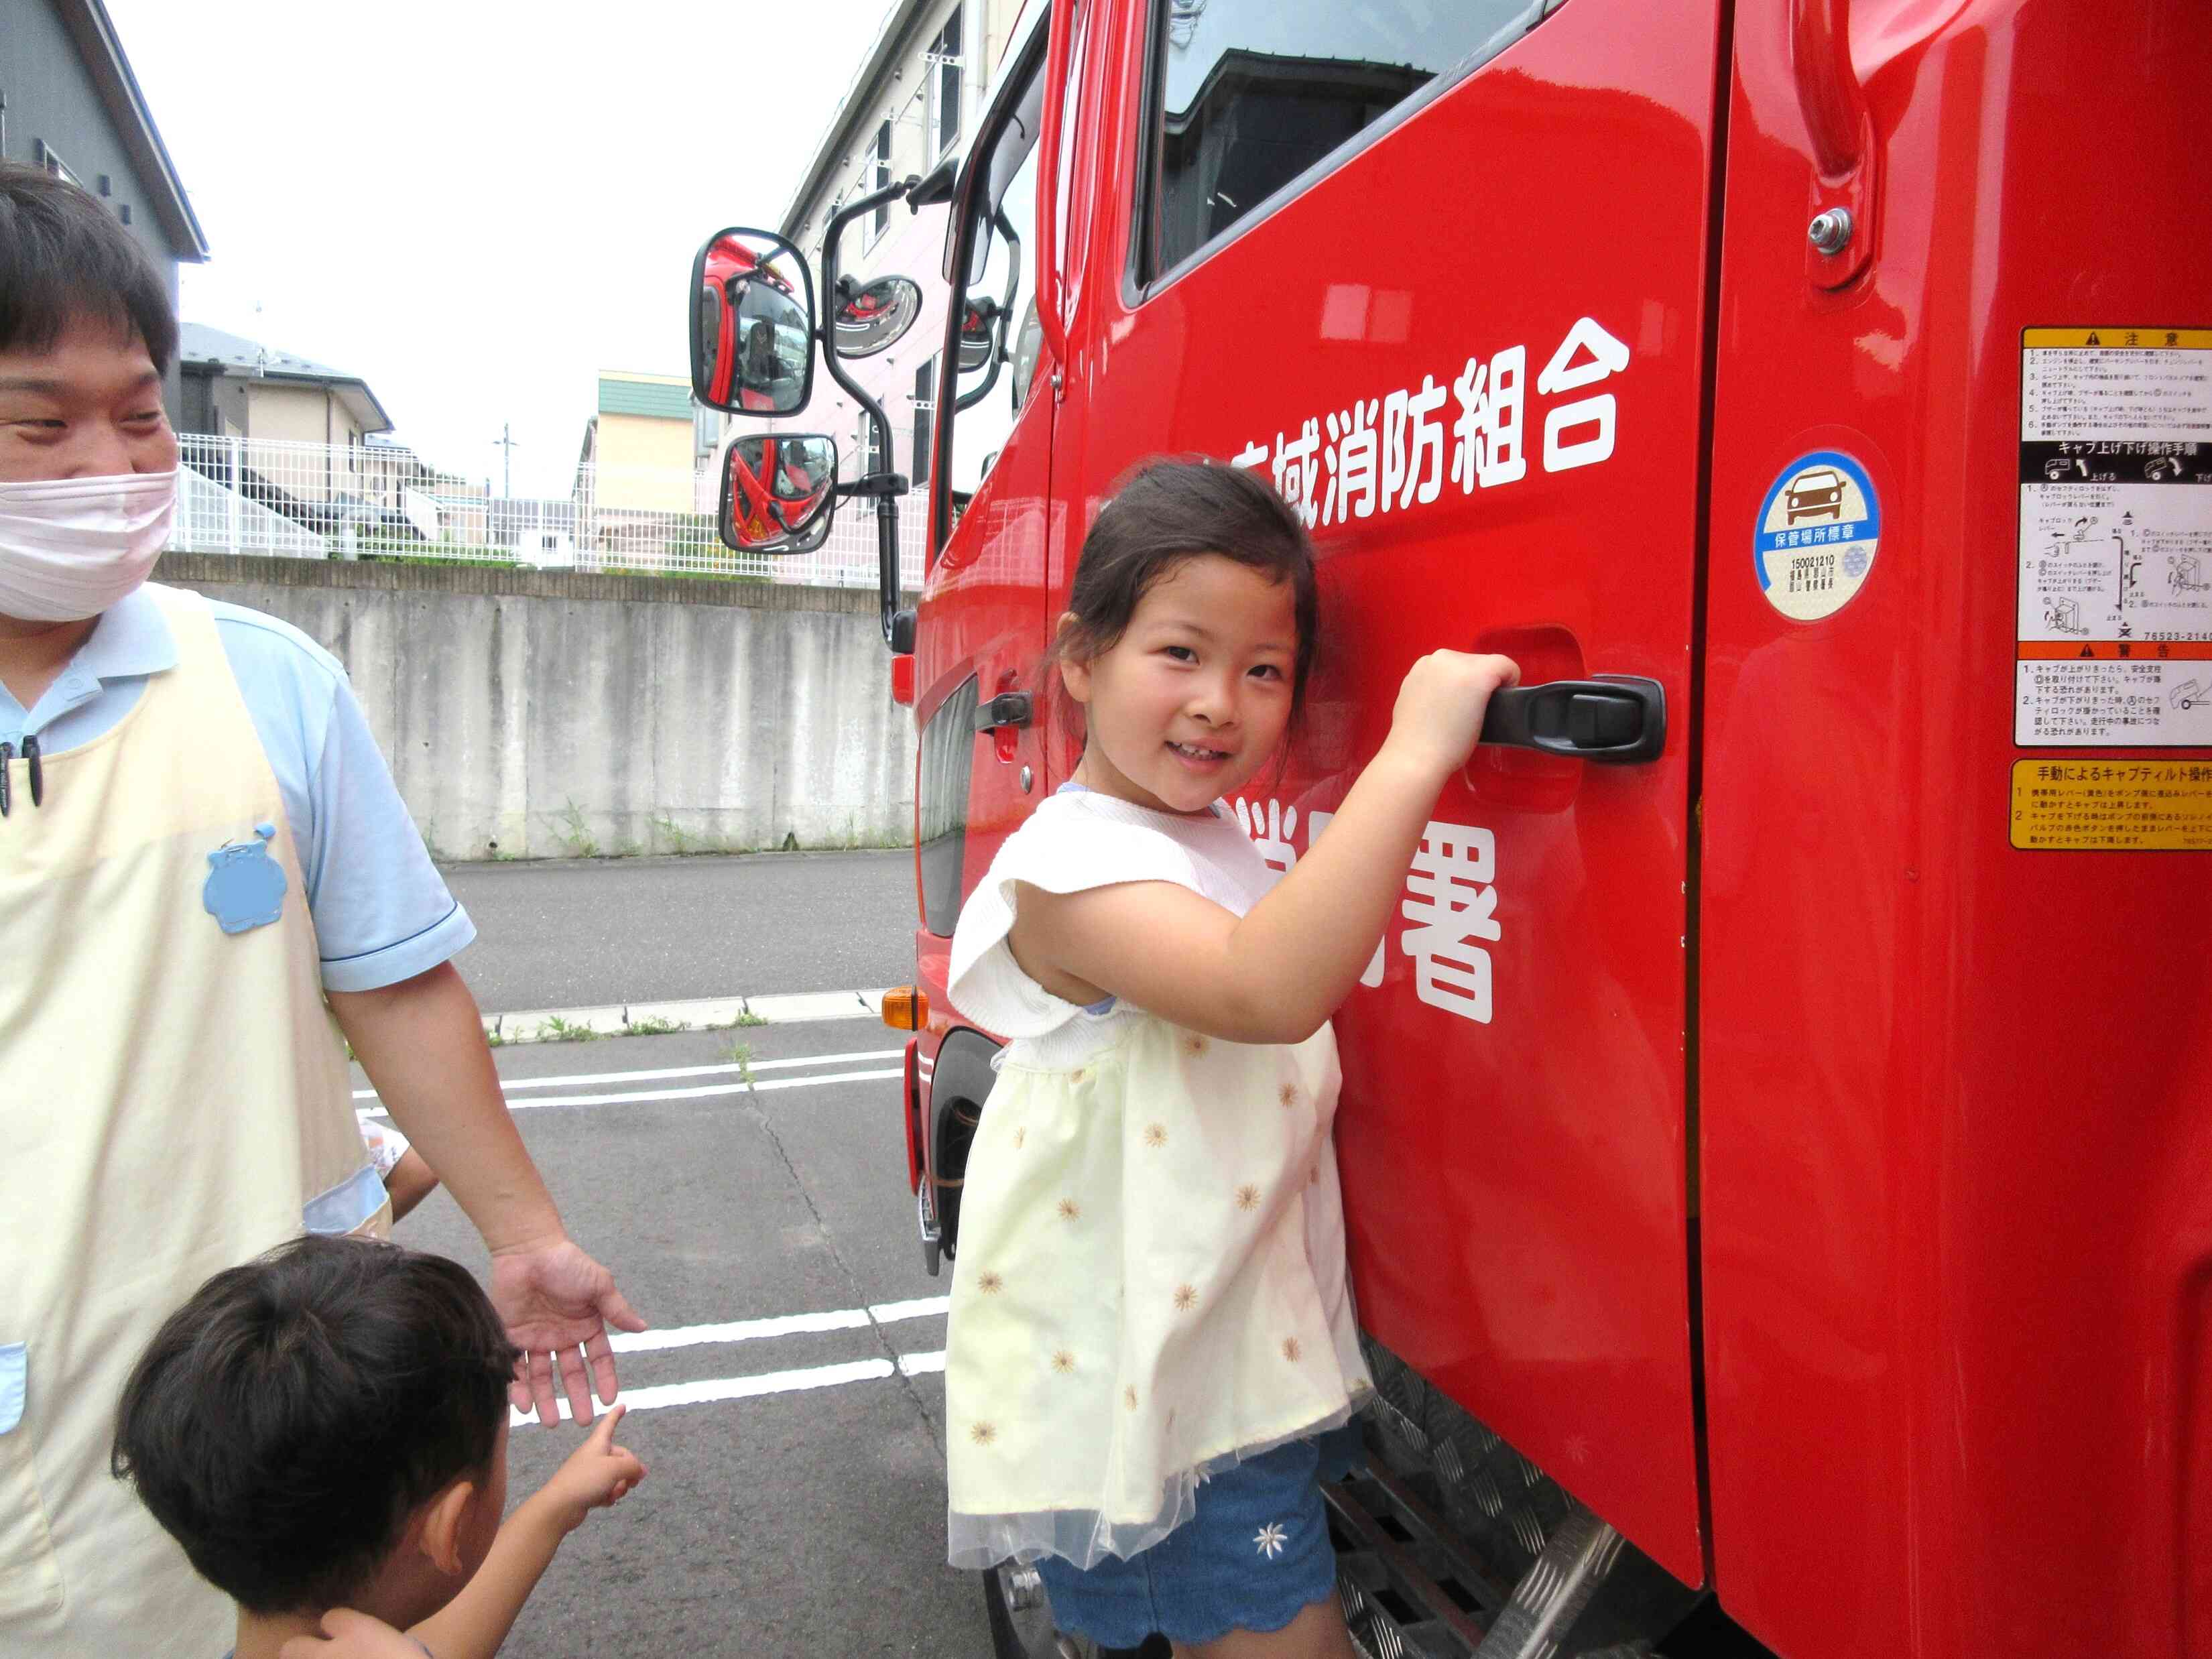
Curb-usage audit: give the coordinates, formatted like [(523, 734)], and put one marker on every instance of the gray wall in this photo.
[(543, 715), (51, 99)]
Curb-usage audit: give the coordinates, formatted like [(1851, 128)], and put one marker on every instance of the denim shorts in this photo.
[(1254, 1556)]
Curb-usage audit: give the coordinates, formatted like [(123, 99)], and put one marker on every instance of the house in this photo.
[(643, 446), (913, 104), (283, 430), (68, 103)]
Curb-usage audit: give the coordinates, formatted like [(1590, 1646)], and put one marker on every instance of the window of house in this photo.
[(925, 410), (943, 68), (1247, 95), (54, 164), (879, 175), (706, 430)]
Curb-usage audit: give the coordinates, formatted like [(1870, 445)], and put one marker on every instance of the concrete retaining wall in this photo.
[(546, 715)]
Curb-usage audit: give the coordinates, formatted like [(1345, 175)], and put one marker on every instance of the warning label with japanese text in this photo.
[(2113, 806), (2115, 623)]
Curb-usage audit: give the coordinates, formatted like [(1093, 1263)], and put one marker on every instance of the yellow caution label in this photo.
[(2147, 339), (2112, 807)]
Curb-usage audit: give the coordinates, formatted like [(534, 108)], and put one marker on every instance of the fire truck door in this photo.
[(989, 604), (1440, 273)]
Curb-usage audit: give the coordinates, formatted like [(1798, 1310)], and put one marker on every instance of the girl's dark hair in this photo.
[(65, 258), (286, 1421), (1166, 510)]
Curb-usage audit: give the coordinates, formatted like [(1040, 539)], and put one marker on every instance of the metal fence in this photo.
[(310, 501)]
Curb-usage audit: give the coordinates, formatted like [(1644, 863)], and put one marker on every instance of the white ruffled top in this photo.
[(1151, 1279)]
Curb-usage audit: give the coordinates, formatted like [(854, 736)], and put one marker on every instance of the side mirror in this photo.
[(874, 319), (779, 493), (979, 334), (1028, 345), (752, 324)]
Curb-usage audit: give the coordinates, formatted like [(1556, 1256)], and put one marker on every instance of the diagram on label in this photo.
[(1818, 531), (2115, 617)]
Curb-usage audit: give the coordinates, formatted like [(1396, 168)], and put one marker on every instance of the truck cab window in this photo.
[(1247, 94), (1000, 289)]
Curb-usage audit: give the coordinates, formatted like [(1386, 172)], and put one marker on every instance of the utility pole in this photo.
[(506, 442)]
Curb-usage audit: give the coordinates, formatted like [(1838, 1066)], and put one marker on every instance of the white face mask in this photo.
[(69, 548)]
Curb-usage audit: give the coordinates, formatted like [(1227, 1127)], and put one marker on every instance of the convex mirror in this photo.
[(752, 324), (779, 492), (873, 319), (979, 334)]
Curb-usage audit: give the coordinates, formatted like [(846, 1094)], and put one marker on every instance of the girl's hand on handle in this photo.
[(1440, 705), (1277, 974)]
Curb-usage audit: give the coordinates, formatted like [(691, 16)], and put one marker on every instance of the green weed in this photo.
[(557, 1029)]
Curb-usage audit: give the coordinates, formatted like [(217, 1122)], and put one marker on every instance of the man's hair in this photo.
[(65, 259), (288, 1419)]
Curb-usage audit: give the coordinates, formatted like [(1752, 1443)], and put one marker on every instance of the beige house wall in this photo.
[(644, 462), (299, 414)]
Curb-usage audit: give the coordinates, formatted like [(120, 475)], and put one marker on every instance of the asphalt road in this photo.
[(795, 1499), (573, 934)]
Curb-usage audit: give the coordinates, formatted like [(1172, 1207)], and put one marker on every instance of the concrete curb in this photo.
[(700, 1014)]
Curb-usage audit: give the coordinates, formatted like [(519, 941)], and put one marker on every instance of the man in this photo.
[(203, 860)]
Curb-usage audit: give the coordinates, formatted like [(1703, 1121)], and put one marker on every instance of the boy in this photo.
[(327, 1426), (203, 863)]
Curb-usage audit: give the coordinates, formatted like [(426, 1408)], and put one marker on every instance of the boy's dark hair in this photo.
[(64, 259), (286, 1421), (1169, 510)]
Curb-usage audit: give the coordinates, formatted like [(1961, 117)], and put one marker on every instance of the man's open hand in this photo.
[(557, 1304)]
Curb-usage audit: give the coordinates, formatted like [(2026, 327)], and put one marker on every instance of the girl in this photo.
[(1151, 1335)]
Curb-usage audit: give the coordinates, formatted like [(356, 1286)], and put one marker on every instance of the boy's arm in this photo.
[(474, 1623), (421, 1043)]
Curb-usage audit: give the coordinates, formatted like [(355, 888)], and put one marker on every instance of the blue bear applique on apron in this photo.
[(244, 886)]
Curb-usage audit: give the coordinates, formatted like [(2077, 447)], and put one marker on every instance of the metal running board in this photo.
[(1410, 1592), (1578, 1559)]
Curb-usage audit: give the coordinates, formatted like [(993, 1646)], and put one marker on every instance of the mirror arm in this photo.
[(887, 548), (1003, 323)]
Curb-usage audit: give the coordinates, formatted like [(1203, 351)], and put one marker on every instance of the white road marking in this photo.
[(704, 1013), (747, 1388), (508, 1084), (708, 1090), (747, 1330), (705, 1092)]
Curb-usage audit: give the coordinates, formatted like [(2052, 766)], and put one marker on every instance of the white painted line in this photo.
[(508, 1084), (702, 1013), (710, 1092), (748, 1330), (921, 1364), (922, 1307), (736, 1388)]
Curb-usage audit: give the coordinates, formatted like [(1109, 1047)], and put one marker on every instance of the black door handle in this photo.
[(1616, 718), (1008, 708)]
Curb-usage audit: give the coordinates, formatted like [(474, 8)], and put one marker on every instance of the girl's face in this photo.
[(1194, 698)]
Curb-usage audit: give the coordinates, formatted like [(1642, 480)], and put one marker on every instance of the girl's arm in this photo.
[(475, 1622), (1277, 974)]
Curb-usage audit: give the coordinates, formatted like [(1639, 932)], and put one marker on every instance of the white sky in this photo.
[(476, 205)]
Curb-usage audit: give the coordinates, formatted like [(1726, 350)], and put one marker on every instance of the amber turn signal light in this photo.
[(906, 1008)]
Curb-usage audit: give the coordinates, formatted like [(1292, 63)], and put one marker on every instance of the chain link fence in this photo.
[(308, 501)]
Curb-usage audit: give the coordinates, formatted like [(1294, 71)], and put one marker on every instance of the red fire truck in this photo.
[(1778, 1167)]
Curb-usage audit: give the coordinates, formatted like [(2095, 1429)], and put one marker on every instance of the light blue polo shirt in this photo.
[(382, 913)]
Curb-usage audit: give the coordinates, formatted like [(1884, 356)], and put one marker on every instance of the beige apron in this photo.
[(173, 1100)]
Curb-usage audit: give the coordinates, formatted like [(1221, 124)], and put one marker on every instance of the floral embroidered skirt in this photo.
[(1252, 1556)]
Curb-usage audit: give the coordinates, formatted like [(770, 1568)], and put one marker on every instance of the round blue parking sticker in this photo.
[(1818, 530)]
